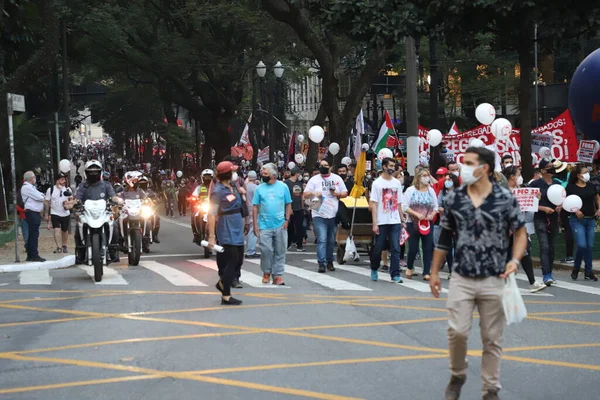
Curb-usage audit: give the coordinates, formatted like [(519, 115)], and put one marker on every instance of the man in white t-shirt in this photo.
[(385, 203), (324, 191), (59, 200)]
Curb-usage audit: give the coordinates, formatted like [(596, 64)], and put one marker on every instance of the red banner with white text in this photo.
[(561, 128)]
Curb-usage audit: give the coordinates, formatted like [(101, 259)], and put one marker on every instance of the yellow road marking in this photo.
[(395, 306), (567, 321), (563, 303), (552, 347), (553, 363), (46, 321), (80, 383), (60, 298), (186, 310), (182, 375), (366, 324), (538, 314)]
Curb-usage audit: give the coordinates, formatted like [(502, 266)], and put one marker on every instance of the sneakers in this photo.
[(266, 278), (536, 287), (250, 256), (549, 280), (385, 268), (397, 279), (278, 280), (374, 276), (591, 277), (491, 395), (330, 266), (236, 284), (36, 259), (574, 274), (567, 260), (454, 387), (322, 268), (230, 302), (300, 249)]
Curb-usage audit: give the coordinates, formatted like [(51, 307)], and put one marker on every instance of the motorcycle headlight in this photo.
[(95, 214), (204, 208), (147, 212)]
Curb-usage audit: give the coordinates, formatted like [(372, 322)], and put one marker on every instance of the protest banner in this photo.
[(586, 151), (527, 198)]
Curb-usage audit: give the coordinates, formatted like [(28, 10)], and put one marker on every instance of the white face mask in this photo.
[(585, 177), (425, 180), (520, 180), (234, 177), (466, 173), (456, 173)]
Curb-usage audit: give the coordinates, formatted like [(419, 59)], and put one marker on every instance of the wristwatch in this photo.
[(514, 260)]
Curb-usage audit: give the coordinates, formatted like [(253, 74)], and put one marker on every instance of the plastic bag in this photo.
[(514, 307), (351, 253), (404, 235)]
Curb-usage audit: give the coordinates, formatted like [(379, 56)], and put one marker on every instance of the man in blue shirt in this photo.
[(272, 210)]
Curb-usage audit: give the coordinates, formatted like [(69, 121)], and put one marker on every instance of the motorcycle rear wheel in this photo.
[(97, 257)]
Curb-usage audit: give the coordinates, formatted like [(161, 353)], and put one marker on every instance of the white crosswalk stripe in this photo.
[(173, 275), (320, 279), (110, 277), (568, 285), (248, 278), (35, 277)]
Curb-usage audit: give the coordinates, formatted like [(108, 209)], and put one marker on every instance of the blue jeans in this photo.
[(273, 246), (546, 230), (413, 247), (391, 233), (583, 231), (34, 219), (325, 229), (251, 241), (25, 231)]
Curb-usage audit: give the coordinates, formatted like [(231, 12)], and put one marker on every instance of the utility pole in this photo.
[(537, 99), (65, 82), (433, 85), (412, 129)]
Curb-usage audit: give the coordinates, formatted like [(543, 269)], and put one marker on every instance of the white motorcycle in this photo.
[(96, 225), (131, 219)]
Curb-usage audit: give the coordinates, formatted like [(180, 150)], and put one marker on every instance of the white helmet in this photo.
[(208, 172), (92, 171), (132, 177)]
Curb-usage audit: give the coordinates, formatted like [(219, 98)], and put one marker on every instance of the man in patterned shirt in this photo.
[(480, 216)]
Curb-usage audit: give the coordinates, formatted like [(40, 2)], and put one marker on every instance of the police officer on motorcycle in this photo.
[(200, 194), (144, 184), (93, 188)]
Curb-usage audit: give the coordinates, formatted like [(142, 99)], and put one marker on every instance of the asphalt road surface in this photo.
[(158, 331)]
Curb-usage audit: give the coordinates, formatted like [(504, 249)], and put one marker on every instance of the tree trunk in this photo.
[(313, 148), (525, 63)]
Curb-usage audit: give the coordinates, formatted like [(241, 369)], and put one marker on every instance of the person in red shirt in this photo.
[(440, 176)]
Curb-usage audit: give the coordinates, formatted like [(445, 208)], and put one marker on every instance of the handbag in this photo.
[(512, 301)]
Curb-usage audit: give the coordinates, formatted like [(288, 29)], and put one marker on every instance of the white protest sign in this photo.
[(586, 151), (527, 198), (539, 140)]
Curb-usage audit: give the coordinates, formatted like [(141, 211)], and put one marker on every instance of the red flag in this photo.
[(292, 147)]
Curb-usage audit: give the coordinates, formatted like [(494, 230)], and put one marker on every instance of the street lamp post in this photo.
[(261, 71)]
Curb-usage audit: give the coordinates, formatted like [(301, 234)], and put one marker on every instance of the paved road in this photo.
[(158, 331)]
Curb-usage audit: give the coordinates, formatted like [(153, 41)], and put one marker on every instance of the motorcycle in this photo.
[(96, 227), (147, 212), (200, 222), (131, 216)]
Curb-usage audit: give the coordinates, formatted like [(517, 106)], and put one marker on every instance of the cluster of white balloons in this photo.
[(64, 166), (558, 196)]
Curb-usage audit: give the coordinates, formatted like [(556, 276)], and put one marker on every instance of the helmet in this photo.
[(106, 175), (208, 172), (131, 178), (143, 182), (92, 171)]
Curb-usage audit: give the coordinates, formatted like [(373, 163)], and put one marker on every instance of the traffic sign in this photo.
[(15, 102)]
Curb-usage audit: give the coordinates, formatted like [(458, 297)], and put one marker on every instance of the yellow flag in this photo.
[(359, 174)]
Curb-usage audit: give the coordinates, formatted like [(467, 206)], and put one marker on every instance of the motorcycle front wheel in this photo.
[(136, 243), (97, 256)]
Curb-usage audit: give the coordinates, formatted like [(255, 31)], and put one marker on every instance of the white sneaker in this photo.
[(536, 287)]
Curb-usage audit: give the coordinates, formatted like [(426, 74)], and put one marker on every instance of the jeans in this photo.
[(413, 247), (391, 233), (546, 230), (296, 229), (273, 246), (569, 237), (251, 241), (34, 219), (583, 231), (325, 229), (25, 231)]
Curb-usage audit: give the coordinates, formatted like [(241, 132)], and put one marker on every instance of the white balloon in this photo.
[(385, 153), (299, 158), (334, 148), (476, 143), (545, 152), (301, 138), (596, 146), (556, 194), (501, 129), (291, 165), (316, 134), (346, 161), (64, 166), (572, 203), (435, 137), (424, 154), (365, 147), (485, 113), (179, 174), (280, 163)]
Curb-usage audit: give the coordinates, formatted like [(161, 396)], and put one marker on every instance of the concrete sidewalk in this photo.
[(46, 247)]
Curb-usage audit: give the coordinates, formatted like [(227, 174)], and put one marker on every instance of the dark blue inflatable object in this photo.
[(584, 96)]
